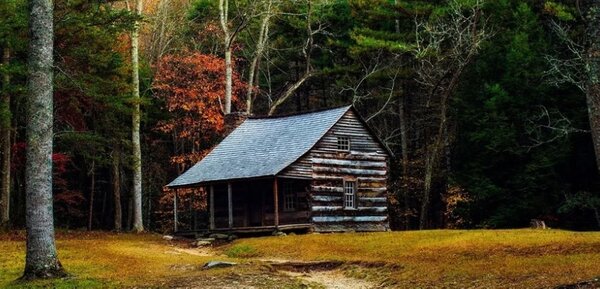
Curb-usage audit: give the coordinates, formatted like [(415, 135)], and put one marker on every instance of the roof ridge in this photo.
[(299, 113), (347, 108)]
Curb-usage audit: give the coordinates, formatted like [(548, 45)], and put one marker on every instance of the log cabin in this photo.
[(322, 171)]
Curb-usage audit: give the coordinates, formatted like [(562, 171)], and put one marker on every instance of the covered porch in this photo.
[(246, 206)]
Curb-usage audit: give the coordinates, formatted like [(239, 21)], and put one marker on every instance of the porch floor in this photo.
[(247, 230)]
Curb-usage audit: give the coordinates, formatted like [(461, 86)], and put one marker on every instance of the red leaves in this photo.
[(193, 87)]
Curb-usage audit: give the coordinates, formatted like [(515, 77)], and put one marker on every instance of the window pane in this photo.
[(343, 143), (349, 194)]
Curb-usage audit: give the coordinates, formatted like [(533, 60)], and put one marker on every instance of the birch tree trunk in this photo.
[(41, 259), (5, 129), (592, 65), (224, 18), (263, 38), (138, 225)]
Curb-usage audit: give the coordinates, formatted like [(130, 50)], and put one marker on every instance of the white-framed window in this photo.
[(343, 143), (349, 194), (289, 197)]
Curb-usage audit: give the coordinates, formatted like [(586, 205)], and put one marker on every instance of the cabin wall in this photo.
[(365, 163)]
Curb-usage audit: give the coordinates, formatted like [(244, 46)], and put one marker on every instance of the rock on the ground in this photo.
[(168, 237), (279, 233), (232, 237), (218, 264), (201, 243)]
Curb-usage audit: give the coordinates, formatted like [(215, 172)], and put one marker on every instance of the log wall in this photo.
[(365, 163)]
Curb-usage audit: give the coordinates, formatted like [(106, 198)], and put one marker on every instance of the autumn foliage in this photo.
[(192, 87)]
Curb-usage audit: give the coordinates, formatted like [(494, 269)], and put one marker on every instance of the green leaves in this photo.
[(559, 10)]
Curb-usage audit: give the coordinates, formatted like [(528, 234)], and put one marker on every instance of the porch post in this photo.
[(175, 211), (212, 207), (230, 205), (276, 201)]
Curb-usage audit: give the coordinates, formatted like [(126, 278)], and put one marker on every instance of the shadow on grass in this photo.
[(62, 283)]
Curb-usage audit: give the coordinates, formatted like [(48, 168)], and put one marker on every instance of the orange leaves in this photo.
[(193, 86)]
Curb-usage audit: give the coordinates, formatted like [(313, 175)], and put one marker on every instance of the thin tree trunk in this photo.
[(41, 259), (593, 73), (227, 41), (597, 215), (289, 92), (138, 225), (308, 73), (228, 80), (92, 191), (404, 146), (431, 162), (263, 37), (116, 182), (5, 129), (129, 213)]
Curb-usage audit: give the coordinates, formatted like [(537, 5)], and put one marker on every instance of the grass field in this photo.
[(451, 258), (425, 259)]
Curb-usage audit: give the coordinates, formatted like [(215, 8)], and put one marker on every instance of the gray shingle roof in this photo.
[(262, 147)]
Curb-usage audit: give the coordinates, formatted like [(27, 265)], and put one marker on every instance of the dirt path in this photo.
[(326, 275), (334, 279)]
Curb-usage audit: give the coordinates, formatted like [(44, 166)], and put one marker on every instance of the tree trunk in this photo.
[(138, 225), (404, 146), (228, 80), (437, 147), (227, 41), (116, 182), (41, 258), (263, 37), (593, 74), (5, 130), (92, 191)]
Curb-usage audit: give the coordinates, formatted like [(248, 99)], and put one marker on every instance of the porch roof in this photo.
[(261, 147)]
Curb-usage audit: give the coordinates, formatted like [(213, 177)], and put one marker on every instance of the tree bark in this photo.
[(289, 92), (92, 192), (116, 183), (138, 225), (263, 37), (41, 258), (404, 146), (593, 74), (5, 129), (227, 40)]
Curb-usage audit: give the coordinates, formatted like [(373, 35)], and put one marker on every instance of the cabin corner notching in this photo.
[(323, 170)]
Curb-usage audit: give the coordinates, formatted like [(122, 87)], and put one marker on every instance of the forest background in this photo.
[(483, 103)]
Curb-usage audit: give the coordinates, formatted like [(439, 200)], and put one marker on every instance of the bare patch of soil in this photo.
[(592, 284), (333, 279), (202, 251), (328, 274), (272, 273)]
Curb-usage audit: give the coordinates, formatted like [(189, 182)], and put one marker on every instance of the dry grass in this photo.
[(450, 258), (427, 259), (104, 260)]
